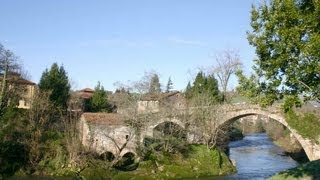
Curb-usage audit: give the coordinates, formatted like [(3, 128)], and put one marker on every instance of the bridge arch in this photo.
[(153, 125), (311, 149)]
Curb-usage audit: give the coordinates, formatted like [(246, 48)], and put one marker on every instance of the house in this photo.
[(86, 93), (24, 88), (155, 102)]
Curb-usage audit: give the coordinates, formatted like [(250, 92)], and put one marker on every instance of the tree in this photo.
[(169, 85), (286, 36), (99, 102), (227, 64), (204, 85), (8, 64), (57, 83), (251, 88), (188, 91), (204, 121), (154, 84)]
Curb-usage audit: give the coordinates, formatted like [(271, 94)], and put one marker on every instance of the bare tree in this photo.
[(144, 85), (227, 63), (8, 64), (204, 120)]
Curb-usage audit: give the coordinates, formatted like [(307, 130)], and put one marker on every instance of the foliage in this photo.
[(200, 162), (57, 83), (169, 86), (13, 156), (204, 85), (235, 134), (168, 138), (154, 84), (306, 171), (99, 101), (308, 125), (286, 36), (256, 91)]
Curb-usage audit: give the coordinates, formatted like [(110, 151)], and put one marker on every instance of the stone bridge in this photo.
[(104, 136)]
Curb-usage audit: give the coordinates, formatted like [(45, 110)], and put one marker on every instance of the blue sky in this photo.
[(119, 40)]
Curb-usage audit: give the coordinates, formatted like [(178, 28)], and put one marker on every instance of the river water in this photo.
[(256, 157)]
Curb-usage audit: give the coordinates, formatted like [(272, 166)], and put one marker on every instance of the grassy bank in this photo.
[(309, 170), (200, 162)]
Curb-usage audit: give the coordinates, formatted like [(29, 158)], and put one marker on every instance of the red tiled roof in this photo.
[(87, 90), (85, 93), (103, 118)]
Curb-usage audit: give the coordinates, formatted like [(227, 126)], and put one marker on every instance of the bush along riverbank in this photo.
[(309, 170)]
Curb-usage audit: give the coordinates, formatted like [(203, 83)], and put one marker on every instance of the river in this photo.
[(257, 157)]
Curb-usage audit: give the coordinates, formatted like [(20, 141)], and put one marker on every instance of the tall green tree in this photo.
[(204, 86), (286, 36), (169, 86), (155, 86), (99, 100), (212, 88), (57, 83)]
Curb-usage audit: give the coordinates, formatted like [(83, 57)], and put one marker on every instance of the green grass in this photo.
[(309, 170), (200, 162)]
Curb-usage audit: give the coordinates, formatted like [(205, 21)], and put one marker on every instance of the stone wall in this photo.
[(101, 138)]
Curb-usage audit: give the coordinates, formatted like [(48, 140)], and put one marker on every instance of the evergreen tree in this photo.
[(199, 83), (169, 86), (212, 88), (99, 100), (204, 85), (188, 92), (154, 84), (57, 83)]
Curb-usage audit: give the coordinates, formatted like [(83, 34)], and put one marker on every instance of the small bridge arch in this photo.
[(312, 149)]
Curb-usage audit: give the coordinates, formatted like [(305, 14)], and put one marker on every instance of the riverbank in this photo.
[(199, 162), (309, 170)]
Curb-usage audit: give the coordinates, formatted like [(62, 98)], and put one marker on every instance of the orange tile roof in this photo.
[(87, 90)]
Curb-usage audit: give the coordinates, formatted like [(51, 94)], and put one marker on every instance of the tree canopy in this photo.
[(98, 102), (204, 85), (57, 83), (286, 37)]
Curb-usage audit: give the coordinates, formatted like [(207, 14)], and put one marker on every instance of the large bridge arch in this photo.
[(312, 149)]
